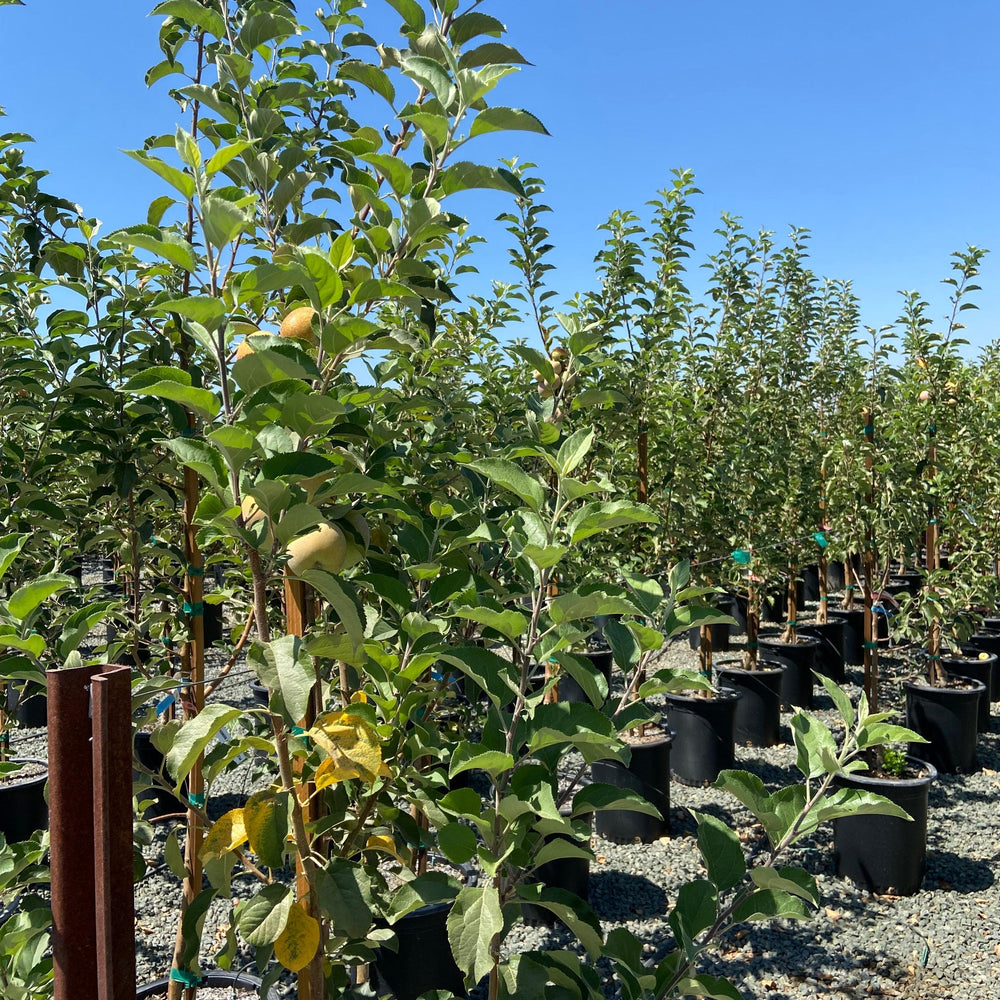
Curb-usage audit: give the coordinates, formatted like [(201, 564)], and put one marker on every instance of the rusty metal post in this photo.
[(71, 833), (112, 797)]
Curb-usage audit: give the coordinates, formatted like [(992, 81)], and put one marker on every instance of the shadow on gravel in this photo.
[(946, 870), (617, 897)]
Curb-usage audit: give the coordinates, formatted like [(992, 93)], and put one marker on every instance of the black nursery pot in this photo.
[(571, 874), (977, 670), (885, 853), (261, 695), (810, 583), (423, 960), (213, 623), (830, 655), (23, 808), (30, 707), (648, 774), (946, 717), (989, 642), (799, 661), (238, 982), (162, 802), (704, 735), (570, 690), (738, 610), (757, 721), (854, 632)]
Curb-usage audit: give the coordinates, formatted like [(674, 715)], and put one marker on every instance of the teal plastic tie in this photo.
[(932, 429), (300, 733), (869, 645), (741, 556), (869, 428), (751, 645), (188, 432), (850, 586), (933, 520), (197, 799), (791, 624), (824, 598), (194, 610), (187, 978), (196, 571), (821, 540)]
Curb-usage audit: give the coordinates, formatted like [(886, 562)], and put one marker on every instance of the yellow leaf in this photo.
[(228, 832), (351, 744), (385, 844), (267, 827), (297, 943)]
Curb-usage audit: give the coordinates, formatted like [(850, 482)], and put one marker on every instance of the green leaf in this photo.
[(840, 699), (339, 599), (266, 817), (771, 904), (26, 599), (10, 547), (201, 401), (792, 880), (344, 894), (464, 175), (574, 606), (235, 443), (284, 666), (583, 671), (713, 987), (474, 920), (193, 737), (500, 119), (161, 242), (485, 668), (511, 477), (412, 14), (195, 13), (574, 450), (593, 518), (508, 623), (225, 154), (852, 802), (223, 221), (432, 76), (262, 917), (721, 850), (204, 309), (696, 909), (571, 910), (597, 796), (817, 749), (544, 557), (457, 842), (176, 178), (470, 756)]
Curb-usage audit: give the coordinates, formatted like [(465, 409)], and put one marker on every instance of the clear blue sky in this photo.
[(874, 124)]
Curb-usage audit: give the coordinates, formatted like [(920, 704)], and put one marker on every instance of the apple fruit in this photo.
[(298, 324), (325, 547)]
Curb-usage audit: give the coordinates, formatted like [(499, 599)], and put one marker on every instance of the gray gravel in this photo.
[(944, 942)]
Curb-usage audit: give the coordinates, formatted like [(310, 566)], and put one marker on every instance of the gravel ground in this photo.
[(943, 942)]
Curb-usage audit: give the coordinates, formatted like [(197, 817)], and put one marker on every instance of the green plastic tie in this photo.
[(187, 978), (791, 624), (751, 645), (741, 556), (824, 598), (933, 520), (196, 571), (850, 586), (869, 645), (300, 733), (197, 799), (821, 540), (869, 428), (932, 429), (188, 432), (194, 610), (153, 540), (933, 656)]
